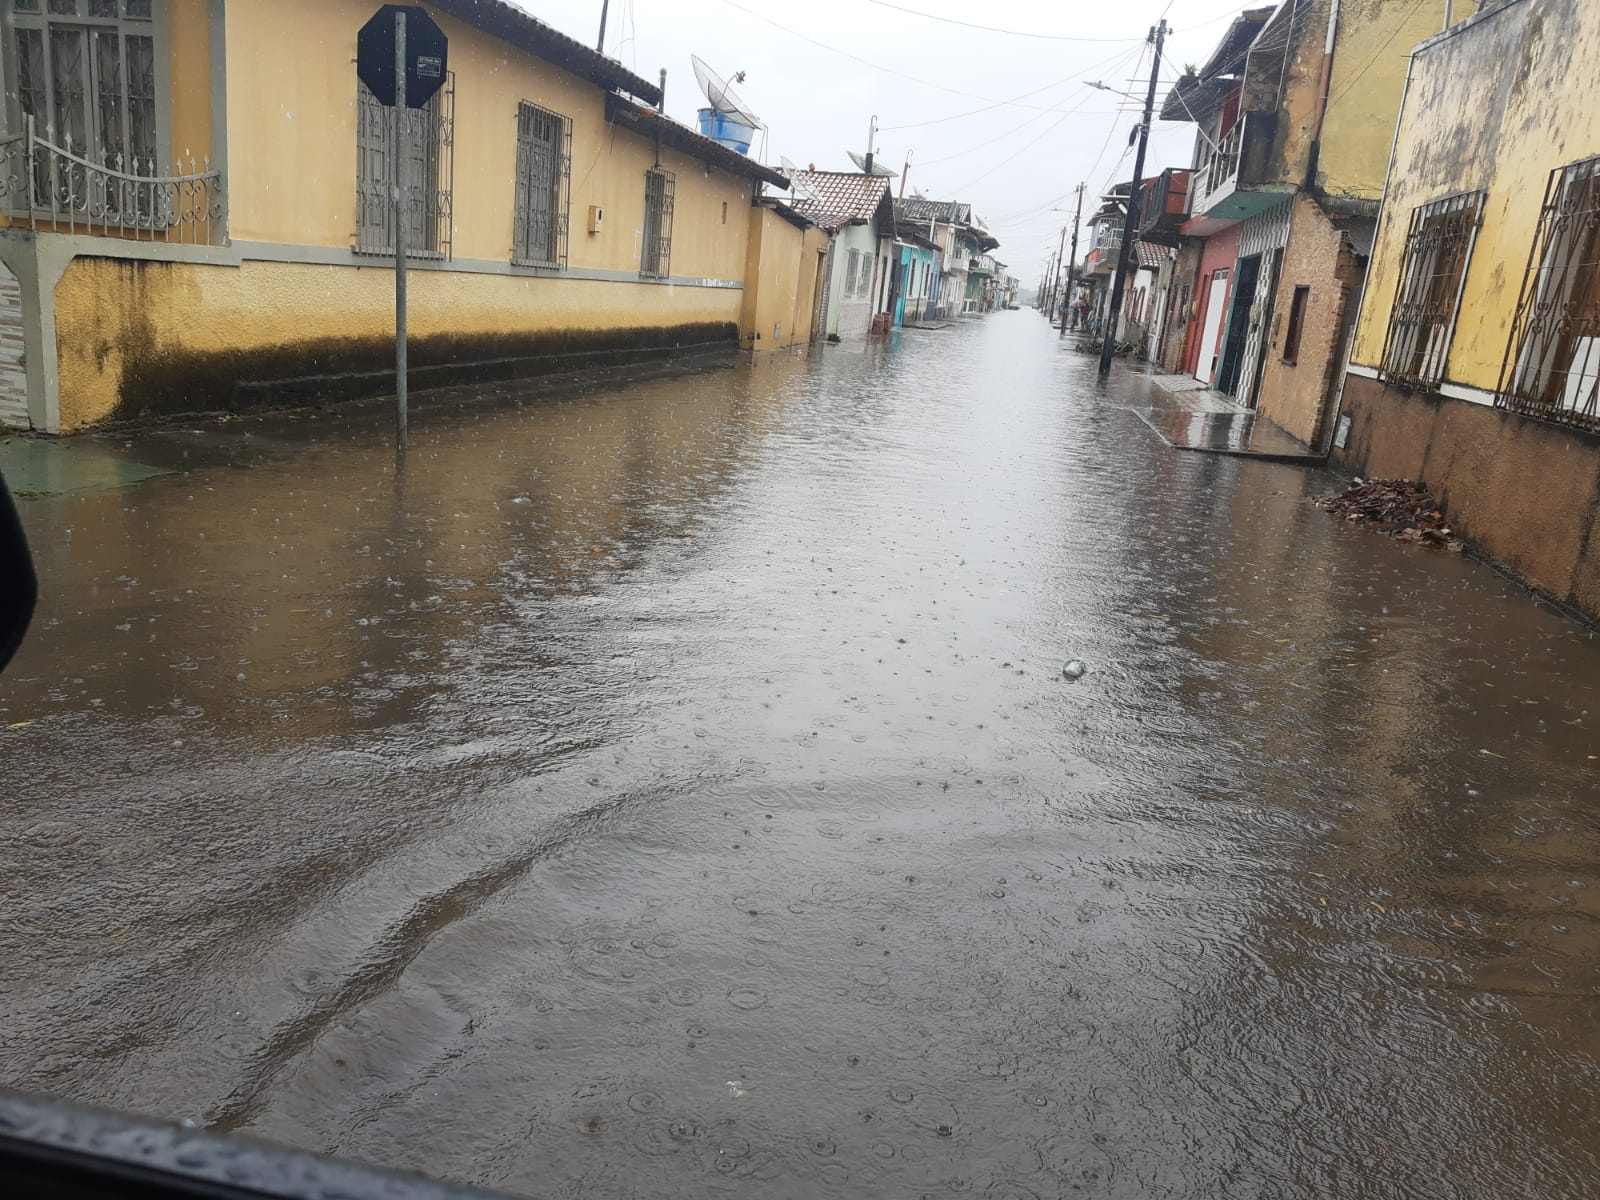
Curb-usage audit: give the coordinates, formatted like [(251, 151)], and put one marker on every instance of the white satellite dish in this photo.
[(798, 185), (878, 168), (720, 95)]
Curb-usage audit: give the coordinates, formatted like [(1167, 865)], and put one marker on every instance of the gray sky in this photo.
[(1013, 162)]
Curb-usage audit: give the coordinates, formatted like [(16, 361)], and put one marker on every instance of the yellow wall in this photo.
[(1373, 42), (292, 146), (781, 276), (1496, 107), (182, 321), (189, 42)]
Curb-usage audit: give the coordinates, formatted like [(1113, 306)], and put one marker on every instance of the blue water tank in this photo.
[(727, 131)]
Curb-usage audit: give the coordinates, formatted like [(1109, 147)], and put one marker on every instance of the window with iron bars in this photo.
[(1428, 296), (85, 72), (544, 182), (655, 259), (1552, 364), (429, 164)]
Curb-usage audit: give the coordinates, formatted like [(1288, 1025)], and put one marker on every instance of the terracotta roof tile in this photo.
[(1151, 256), (834, 199)]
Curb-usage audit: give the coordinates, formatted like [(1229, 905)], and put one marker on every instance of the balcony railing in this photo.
[(1218, 173), (46, 185)]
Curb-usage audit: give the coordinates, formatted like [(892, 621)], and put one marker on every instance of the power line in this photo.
[(1099, 66), (1401, 24), (1066, 112), (867, 63), (1043, 37), (1011, 157)]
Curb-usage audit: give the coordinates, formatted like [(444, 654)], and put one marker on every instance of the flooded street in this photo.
[(673, 789)]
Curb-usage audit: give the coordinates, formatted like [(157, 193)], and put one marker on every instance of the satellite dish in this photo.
[(878, 168), (720, 95), (802, 190)]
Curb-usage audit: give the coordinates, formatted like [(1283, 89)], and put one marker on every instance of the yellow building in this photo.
[(1476, 360), (195, 201), (1296, 110)]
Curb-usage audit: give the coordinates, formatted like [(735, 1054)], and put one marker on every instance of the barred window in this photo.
[(429, 161), (86, 75), (1552, 363), (656, 257), (544, 181), (1428, 294), (850, 270)]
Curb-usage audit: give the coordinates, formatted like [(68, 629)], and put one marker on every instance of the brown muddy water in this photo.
[(672, 789)]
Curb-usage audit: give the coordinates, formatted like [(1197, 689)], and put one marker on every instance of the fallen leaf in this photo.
[(19, 725), (1377, 906)]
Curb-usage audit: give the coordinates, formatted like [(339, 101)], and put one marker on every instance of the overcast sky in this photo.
[(927, 77)]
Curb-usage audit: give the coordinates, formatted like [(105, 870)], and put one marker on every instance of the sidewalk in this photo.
[(1187, 415)]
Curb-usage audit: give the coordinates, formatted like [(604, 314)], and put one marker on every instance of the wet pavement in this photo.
[(1187, 415), (673, 789)]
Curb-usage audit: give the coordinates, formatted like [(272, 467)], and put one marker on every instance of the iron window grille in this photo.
[(544, 188), (1552, 364), (655, 259), (850, 270), (1427, 297), (429, 165), (85, 147)]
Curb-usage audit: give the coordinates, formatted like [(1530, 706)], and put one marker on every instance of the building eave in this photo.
[(649, 123), (526, 32)]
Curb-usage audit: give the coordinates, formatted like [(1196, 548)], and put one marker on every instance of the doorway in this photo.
[(1205, 367), (816, 295), (1238, 331)]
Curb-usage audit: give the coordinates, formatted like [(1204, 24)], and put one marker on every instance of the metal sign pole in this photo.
[(402, 123)]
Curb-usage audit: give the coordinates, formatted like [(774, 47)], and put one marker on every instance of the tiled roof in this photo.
[(1151, 256), (834, 199), (526, 32)]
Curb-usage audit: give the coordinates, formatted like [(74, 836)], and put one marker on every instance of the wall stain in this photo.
[(170, 382)]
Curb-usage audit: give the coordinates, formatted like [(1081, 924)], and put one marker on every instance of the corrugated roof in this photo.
[(1228, 57), (650, 123), (834, 199), (917, 209), (526, 32)]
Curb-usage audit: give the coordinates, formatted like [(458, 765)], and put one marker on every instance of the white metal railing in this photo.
[(1219, 170), (46, 184)]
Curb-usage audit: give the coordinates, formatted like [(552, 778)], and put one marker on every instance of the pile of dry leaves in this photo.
[(1400, 508)]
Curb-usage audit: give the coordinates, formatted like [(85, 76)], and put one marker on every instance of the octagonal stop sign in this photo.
[(426, 55)]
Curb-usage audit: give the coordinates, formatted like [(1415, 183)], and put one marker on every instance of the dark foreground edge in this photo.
[(49, 1148)]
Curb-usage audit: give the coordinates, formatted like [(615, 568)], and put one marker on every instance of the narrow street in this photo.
[(673, 789)]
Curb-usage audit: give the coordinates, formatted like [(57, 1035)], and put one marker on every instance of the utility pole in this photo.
[(1055, 276), (1072, 261), (402, 128), (1157, 35), (605, 7)]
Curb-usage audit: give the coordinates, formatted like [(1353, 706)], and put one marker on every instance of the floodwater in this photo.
[(673, 789)]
